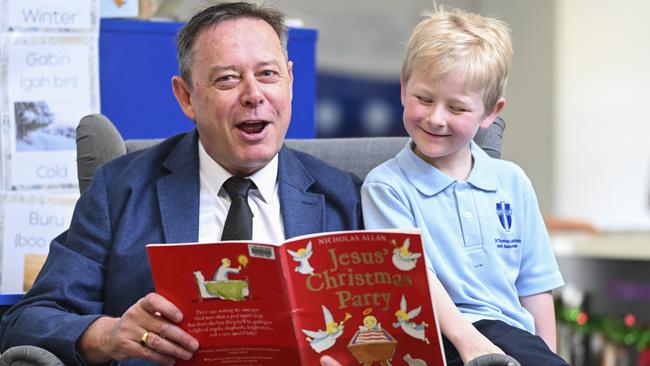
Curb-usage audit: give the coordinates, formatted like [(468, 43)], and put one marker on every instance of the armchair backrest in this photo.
[(98, 142)]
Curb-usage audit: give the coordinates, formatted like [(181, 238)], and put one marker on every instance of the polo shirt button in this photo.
[(468, 214)]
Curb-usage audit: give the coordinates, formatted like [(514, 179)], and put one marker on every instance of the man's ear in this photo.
[(402, 89), (290, 73), (489, 117), (183, 96)]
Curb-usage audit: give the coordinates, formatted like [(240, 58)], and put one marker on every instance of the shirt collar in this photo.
[(430, 181), (485, 173), (215, 175)]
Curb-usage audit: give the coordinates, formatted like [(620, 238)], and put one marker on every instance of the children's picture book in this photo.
[(361, 297)]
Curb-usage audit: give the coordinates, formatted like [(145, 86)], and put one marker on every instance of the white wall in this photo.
[(602, 116), (528, 140)]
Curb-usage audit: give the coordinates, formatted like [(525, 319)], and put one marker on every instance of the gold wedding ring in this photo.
[(144, 338)]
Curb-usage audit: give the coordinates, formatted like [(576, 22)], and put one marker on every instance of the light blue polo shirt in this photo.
[(485, 237)]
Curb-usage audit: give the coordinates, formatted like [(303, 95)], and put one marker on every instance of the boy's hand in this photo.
[(475, 345), (328, 361)]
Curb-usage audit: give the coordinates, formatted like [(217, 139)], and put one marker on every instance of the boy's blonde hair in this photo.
[(447, 41)]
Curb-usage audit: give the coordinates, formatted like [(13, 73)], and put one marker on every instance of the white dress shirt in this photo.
[(214, 203)]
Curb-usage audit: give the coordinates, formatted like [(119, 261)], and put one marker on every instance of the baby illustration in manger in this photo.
[(371, 343), (221, 286)]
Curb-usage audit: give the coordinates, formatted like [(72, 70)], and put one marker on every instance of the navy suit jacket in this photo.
[(99, 265)]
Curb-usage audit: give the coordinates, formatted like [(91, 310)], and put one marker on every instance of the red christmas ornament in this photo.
[(629, 320), (582, 318)]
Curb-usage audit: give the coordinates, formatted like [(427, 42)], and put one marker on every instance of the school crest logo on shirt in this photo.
[(505, 215)]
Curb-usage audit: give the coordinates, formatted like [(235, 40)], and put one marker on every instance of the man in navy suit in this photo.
[(94, 300)]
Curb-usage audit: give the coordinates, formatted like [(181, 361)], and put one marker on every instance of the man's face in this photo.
[(241, 93)]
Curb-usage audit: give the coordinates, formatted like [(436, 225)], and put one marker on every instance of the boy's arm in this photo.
[(539, 272), (383, 208), (469, 342), (542, 309)]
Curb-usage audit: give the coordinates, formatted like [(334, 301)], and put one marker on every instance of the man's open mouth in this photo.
[(252, 127)]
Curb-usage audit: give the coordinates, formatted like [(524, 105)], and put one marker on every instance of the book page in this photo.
[(362, 297), (233, 301)]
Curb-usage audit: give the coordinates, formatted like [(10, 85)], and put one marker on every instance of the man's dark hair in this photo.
[(216, 14)]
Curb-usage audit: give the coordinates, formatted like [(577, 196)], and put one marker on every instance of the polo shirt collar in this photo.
[(430, 181), (485, 173)]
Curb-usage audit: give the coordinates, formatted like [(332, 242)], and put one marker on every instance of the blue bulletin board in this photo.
[(137, 60), (8, 300)]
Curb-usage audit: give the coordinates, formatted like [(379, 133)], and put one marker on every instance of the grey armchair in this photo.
[(29, 356)]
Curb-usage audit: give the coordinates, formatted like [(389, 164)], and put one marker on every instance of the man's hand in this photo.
[(124, 338)]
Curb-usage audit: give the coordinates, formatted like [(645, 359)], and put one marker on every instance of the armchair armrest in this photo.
[(29, 356), (494, 359)]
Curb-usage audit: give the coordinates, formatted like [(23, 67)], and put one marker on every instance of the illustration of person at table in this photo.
[(222, 272)]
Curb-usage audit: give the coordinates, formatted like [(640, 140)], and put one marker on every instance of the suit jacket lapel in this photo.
[(303, 212), (178, 192)]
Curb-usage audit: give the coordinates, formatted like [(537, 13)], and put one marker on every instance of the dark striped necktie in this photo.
[(239, 222)]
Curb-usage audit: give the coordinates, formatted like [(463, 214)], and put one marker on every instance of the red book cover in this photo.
[(361, 297)]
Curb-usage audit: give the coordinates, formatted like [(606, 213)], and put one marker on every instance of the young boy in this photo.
[(482, 229)]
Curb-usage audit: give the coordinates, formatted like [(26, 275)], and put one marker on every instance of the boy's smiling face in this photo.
[(442, 116)]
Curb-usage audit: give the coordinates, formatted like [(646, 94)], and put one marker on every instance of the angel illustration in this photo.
[(404, 321), (302, 256), (403, 259), (321, 340)]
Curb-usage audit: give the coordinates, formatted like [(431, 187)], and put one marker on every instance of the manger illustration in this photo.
[(371, 343), (221, 286)]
